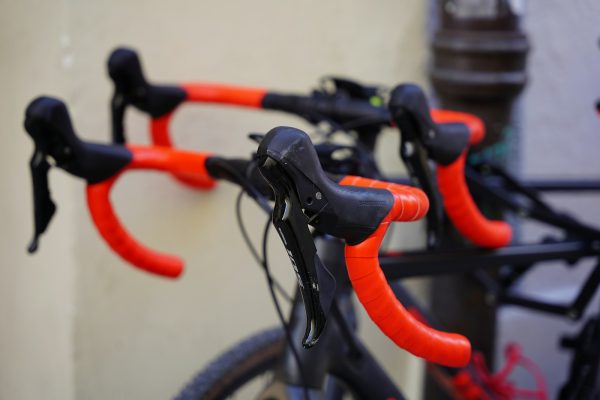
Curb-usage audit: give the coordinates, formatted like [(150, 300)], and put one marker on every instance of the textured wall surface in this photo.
[(560, 137), (36, 294), (78, 322)]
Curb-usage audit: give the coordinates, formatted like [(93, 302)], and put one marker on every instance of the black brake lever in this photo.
[(131, 87), (118, 106), (48, 123), (43, 206), (256, 137), (408, 102), (317, 284), (416, 160), (420, 142)]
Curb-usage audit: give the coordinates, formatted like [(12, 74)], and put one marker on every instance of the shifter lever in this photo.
[(317, 284)]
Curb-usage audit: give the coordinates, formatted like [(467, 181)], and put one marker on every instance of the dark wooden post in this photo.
[(478, 66)]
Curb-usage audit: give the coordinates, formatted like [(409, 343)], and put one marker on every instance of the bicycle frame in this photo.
[(508, 194)]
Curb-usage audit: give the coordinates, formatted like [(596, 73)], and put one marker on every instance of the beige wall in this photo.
[(76, 321), (36, 294)]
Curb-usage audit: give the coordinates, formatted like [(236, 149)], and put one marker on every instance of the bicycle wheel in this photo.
[(244, 369)]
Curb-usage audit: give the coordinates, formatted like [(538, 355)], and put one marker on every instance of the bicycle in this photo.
[(284, 180), (508, 192), (48, 123), (352, 106), (410, 109), (81, 171)]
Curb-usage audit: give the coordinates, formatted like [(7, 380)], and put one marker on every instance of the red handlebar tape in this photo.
[(205, 93), (458, 203), (227, 94), (183, 163), (376, 296)]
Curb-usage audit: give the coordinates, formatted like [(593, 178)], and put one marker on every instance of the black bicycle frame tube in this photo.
[(530, 205), (464, 260), (339, 352), (552, 185)]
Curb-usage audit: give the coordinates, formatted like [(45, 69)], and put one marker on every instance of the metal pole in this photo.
[(478, 66)]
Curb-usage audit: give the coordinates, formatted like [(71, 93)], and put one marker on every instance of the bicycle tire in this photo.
[(236, 367)]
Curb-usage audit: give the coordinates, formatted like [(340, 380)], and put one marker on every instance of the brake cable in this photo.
[(257, 258)]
